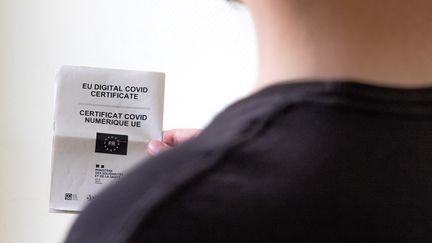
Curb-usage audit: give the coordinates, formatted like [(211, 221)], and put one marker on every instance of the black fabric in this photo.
[(306, 161)]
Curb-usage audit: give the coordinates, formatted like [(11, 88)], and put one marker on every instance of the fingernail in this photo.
[(154, 147)]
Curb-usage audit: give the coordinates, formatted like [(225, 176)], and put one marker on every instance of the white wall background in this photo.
[(206, 48)]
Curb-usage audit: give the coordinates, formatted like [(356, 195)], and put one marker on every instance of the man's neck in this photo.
[(385, 44)]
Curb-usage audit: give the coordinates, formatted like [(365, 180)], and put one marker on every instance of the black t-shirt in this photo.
[(315, 161)]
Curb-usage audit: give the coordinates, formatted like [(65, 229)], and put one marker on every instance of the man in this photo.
[(334, 145)]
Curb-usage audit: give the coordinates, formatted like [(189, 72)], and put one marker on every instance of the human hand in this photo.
[(170, 139)]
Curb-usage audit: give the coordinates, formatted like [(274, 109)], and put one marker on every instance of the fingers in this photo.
[(177, 136), (170, 139), (154, 147)]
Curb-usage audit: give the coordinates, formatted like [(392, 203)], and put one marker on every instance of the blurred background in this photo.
[(206, 48)]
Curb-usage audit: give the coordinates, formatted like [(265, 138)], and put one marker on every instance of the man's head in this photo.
[(385, 40)]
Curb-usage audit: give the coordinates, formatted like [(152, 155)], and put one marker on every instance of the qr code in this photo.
[(70, 196)]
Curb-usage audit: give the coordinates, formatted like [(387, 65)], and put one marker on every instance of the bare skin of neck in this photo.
[(380, 42)]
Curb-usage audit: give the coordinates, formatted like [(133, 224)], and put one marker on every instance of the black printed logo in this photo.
[(70, 196), (111, 143)]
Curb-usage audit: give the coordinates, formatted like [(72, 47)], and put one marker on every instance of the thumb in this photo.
[(154, 147)]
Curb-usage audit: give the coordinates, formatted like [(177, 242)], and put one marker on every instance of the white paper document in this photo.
[(103, 120)]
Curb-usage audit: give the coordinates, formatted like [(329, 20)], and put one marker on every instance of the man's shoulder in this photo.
[(132, 200)]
